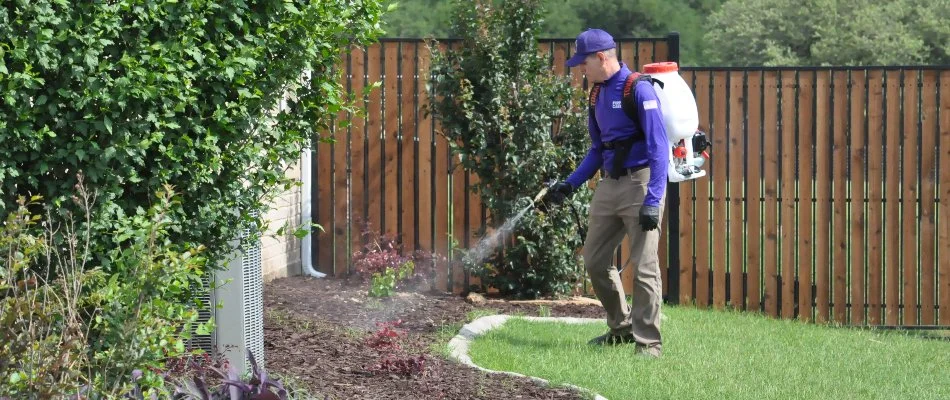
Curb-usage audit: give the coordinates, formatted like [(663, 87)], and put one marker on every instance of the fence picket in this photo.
[(892, 188), (427, 173), (943, 247), (840, 197), (909, 188), (440, 152), (687, 227), (771, 186), (374, 132), (358, 149), (737, 180), (340, 194), (806, 170), (822, 198), (719, 179), (876, 244), (858, 198), (408, 154), (928, 181), (754, 131), (701, 188), (390, 140), (788, 197)]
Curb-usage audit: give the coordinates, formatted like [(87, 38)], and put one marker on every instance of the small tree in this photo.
[(516, 125)]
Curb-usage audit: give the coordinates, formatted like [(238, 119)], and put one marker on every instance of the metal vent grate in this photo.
[(240, 322), (203, 342), (253, 301)]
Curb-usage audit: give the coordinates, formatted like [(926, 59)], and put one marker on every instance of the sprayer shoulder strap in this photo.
[(629, 100), (592, 97)]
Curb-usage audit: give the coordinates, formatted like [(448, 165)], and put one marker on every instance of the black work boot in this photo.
[(610, 339), (649, 351)]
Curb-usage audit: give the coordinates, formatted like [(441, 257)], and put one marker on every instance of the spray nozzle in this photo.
[(544, 191), (540, 194)]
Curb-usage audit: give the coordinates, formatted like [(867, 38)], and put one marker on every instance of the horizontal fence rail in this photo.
[(822, 200)]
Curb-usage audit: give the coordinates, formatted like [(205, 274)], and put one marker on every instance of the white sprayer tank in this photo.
[(676, 101), (681, 119)]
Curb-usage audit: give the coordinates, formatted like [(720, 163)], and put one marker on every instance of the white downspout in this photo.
[(306, 244), (306, 210)]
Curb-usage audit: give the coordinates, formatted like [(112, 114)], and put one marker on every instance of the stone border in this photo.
[(458, 346)]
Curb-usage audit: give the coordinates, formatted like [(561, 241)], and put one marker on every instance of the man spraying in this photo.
[(632, 149)]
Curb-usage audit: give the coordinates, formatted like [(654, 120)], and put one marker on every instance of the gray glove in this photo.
[(649, 217)]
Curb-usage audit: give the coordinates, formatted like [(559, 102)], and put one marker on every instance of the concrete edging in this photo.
[(458, 346)]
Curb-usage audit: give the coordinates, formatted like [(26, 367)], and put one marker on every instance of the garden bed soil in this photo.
[(320, 333)]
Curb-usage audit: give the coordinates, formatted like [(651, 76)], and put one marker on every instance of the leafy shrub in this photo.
[(384, 283), (380, 253), (382, 261), (41, 337), (516, 125), (138, 94), (66, 329), (392, 358)]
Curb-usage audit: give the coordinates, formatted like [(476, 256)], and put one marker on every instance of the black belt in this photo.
[(625, 171), (624, 143), (621, 150)]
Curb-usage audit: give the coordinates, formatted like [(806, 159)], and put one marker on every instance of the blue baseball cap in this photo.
[(589, 42)]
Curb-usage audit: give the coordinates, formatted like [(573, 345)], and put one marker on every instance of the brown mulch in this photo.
[(318, 332)]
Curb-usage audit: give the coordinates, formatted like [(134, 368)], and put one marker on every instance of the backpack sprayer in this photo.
[(681, 118)]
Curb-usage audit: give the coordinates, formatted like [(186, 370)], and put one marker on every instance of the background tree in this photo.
[(740, 32), (566, 18), (418, 19), (829, 32), (646, 18)]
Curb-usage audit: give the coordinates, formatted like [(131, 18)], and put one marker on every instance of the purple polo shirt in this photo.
[(610, 123)]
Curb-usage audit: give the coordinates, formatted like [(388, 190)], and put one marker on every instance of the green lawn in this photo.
[(726, 355)]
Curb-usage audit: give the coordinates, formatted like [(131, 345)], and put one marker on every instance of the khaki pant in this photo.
[(615, 212)]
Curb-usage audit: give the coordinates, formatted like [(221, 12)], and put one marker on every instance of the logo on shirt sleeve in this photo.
[(617, 104), (649, 105)]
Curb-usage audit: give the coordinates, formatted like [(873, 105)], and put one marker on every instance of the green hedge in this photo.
[(136, 94)]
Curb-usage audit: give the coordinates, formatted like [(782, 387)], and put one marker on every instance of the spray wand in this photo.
[(577, 217), (543, 192)]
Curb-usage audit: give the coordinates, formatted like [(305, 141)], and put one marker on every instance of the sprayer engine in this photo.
[(688, 157)]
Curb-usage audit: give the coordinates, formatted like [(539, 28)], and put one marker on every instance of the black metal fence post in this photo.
[(672, 205)]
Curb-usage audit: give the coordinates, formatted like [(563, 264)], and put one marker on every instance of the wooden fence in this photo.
[(822, 200), (390, 168), (824, 194)]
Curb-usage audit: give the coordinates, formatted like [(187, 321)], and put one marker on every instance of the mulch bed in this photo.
[(324, 333)]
